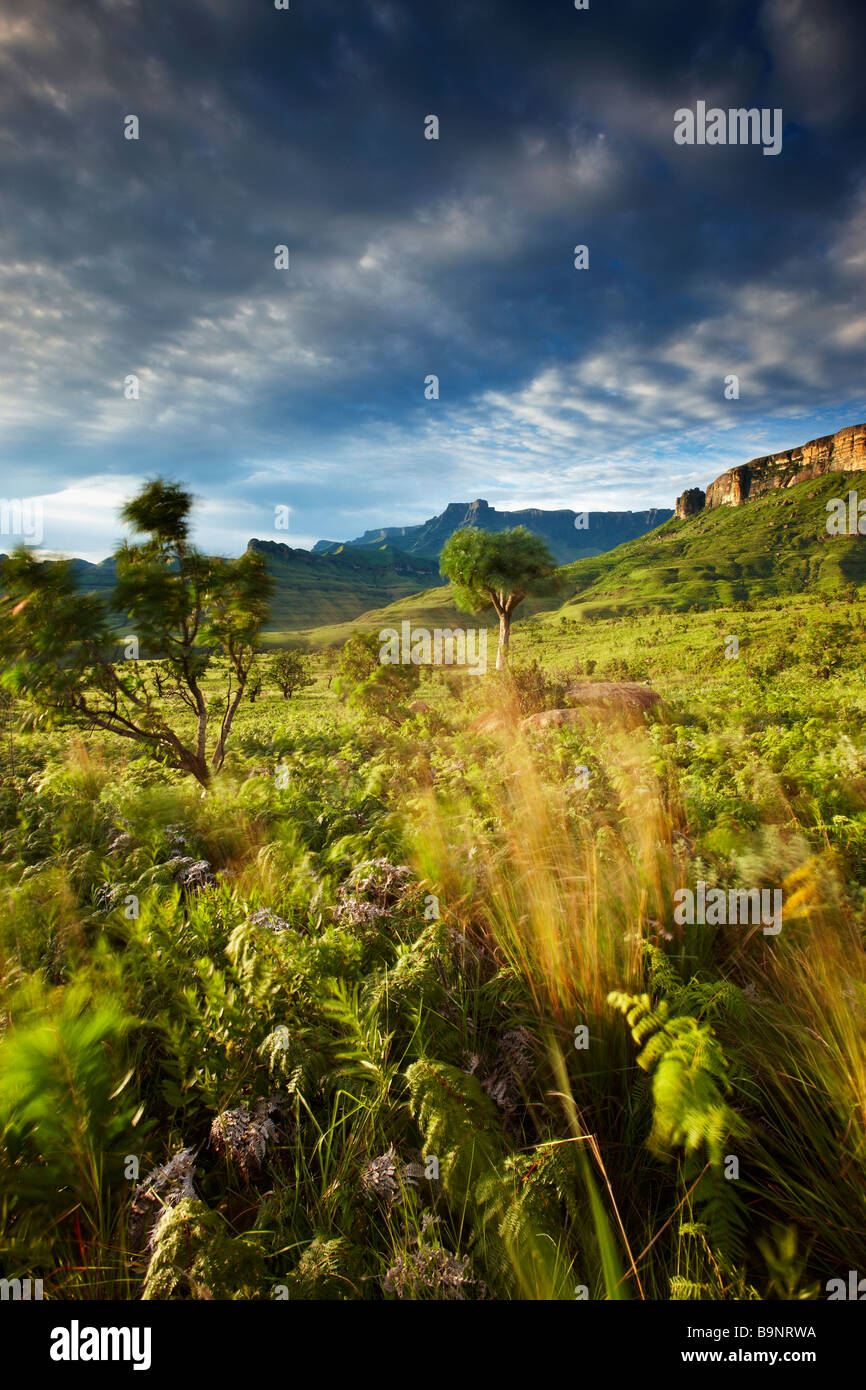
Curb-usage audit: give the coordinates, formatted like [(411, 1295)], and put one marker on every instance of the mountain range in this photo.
[(569, 535), (337, 581)]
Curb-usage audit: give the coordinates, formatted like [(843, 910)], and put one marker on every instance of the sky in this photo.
[(264, 389)]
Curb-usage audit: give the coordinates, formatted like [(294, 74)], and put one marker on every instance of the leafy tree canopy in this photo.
[(59, 647), (496, 568), (288, 671)]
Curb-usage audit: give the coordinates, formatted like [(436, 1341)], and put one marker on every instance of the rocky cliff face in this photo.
[(843, 452)]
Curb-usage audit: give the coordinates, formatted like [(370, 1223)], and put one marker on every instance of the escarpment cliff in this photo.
[(843, 452)]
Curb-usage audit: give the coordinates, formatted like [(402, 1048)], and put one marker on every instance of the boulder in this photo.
[(492, 722), (616, 693), (622, 698)]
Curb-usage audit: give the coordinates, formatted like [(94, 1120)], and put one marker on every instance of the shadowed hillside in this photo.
[(311, 589)]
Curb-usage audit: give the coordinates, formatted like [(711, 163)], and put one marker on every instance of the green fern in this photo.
[(195, 1256), (704, 1272), (65, 1110), (518, 1221), (459, 1124), (690, 1078), (690, 1085), (362, 1048), (328, 1269)]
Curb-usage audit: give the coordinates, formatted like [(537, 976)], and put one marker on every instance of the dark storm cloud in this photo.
[(411, 257)]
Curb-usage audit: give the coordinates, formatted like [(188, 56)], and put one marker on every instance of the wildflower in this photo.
[(372, 890), (177, 836), (192, 874), (430, 1269), (387, 1178)]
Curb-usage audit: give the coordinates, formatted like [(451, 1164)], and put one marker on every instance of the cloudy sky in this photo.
[(305, 388)]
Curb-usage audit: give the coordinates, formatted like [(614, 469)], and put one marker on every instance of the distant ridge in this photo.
[(604, 530)]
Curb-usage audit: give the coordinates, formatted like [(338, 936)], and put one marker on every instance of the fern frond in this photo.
[(195, 1256)]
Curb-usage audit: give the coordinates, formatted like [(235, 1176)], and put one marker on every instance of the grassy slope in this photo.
[(761, 776), (761, 768), (431, 608), (775, 546), (310, 589), (321, 589)]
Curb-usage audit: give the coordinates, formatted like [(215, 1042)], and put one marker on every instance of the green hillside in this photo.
[(309, 589), (313, 590), (430, 608), (771, 547)]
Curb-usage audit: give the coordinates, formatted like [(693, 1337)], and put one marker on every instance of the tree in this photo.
[(500, 569), (384, 691), (59, 652), (288, 671), (359, 658), (255, 681), (367, 683)]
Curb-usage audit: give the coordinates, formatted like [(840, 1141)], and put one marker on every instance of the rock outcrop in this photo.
[(843, 452), (690, 502)]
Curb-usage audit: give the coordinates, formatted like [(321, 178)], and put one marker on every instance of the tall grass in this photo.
[(518, 1005)]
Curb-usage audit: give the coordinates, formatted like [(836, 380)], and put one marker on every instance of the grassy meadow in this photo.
[(399, 1009)]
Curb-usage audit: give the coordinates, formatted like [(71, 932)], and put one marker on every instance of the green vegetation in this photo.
[(312, 590), (399, 1007), (730, 556), (775, 545), (369, 685)]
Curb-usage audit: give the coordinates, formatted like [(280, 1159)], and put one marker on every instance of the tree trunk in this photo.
[(220, 750), (199, 769), (504, 635)]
